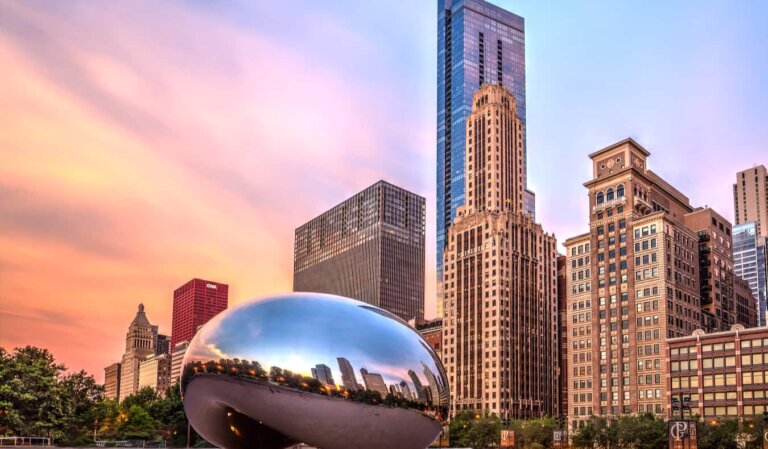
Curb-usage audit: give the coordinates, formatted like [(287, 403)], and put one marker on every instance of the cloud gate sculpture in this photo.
[(311, 368)]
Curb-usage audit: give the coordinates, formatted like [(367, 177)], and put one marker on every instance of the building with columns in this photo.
[(500, 277)]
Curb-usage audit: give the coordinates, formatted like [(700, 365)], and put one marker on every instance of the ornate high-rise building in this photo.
[(651, 267), (139, 344), (500, 345), (477, 43)]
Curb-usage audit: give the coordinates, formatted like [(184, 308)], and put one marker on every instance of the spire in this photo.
[(141, 317)]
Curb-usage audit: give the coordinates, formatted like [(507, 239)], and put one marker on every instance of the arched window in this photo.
[(620, 191), (600, 198), (609, 194)]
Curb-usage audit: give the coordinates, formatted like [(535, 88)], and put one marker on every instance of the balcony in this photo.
[(611, 203)]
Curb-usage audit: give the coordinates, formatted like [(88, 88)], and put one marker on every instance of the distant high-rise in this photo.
[(348, 378), (323, 373), (374, 382), (162, 344), (370, 248), (177, 358), (112, 381), (750, 262), (194, 304), (745, 303), (500, 346), (155, 372), (718, 311), (477, 43), (139, 344), (750, 198)]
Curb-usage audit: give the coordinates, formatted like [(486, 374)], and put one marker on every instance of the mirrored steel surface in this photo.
[(320, 369)]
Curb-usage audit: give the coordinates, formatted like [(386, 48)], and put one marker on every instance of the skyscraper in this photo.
[(477, 43), (112, 381), (718, 312), (374, 382), (323, 373), (750, 198), (500, 279), (162, 344), (194, 303), (139, 344), (348, 378), (750, 262), (634, 280), (370, 248)]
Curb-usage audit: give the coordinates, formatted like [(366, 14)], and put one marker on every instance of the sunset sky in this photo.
[(146, 143)]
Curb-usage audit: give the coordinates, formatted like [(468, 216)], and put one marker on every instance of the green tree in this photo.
[(477, 430), (144, 398), (31, 398), (169, 413), (138, 425), (534, 432), (81, 396)]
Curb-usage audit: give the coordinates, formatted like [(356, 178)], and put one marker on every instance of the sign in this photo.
[(683, 434), (213, 286), (559, 438), (507, 438)]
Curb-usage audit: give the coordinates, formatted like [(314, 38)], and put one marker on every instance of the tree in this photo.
[(31, 398), (81, 395), (138, 425), (143, 398), (477, 430), (534, 432), (169, 412)]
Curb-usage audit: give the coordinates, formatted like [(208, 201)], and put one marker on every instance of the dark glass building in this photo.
[(477, 43), (369, 248)]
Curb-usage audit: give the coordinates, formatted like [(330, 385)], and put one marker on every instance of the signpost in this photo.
[(683, 434), (559, 439), (507, 438)]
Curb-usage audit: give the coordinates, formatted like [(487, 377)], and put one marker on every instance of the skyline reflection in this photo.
[(318, 343)]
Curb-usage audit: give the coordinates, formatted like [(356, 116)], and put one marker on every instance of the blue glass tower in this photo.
[(477, 43)]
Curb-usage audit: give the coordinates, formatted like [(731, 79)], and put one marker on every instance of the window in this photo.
[(609, 194), (620, 191), (600, 198)]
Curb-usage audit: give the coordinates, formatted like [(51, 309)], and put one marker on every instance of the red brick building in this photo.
[(194, 303)]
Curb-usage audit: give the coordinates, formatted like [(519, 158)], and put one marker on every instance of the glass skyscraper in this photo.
[(751, 263), (477, 43)]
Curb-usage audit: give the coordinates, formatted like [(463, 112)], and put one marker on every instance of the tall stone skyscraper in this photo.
[(477, 43), (139, 344), (369, 248), (500, 345), (750, 198)]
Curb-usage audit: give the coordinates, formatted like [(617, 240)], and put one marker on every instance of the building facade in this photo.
[(194, 304), (155, 373), (477, 43), (500, 277), (370, 248), (432, 332), (162, 344), (723, 374), (718, 310), (750, 198), (112, 381), (750, 262), (139, 344), (745, 303), (632, 283), (177, 359), (562, 331)]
